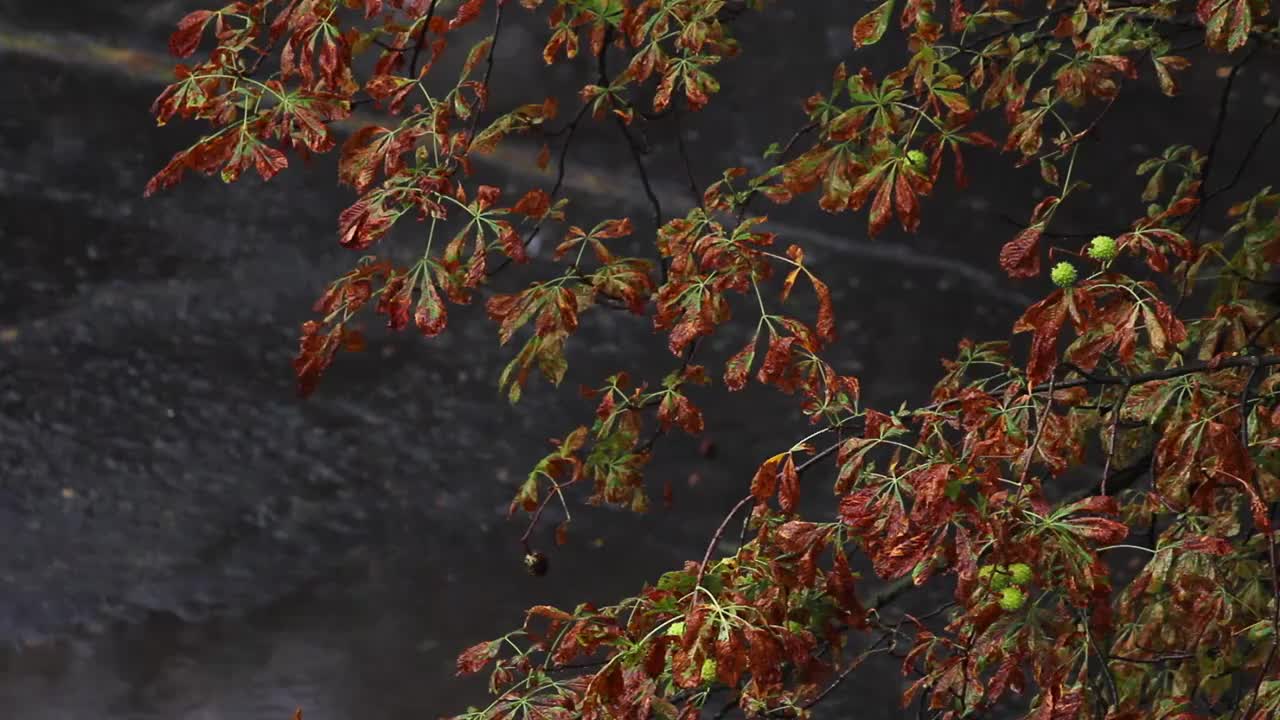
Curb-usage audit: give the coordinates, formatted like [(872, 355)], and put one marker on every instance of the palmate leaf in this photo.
[(1227, 22)]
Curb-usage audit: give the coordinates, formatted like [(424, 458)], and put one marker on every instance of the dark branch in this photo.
[(422, 38)]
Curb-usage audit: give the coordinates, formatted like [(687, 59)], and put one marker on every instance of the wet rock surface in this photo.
[(183, 538)]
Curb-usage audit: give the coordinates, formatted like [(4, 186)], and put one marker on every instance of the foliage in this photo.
[(1129, 359)]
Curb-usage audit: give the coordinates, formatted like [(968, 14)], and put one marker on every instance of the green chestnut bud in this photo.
[(1000, 578), (1103, 248), (917, 159), (1063, 275), (709, 670), (675, 629), (1020, 573), (1012, 598)]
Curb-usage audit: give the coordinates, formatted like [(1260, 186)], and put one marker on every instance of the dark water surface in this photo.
[(184, 539)]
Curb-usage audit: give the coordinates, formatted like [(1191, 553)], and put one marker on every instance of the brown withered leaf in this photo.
[(1020, 257), (795, 536), (765, 482), (1044, 320)]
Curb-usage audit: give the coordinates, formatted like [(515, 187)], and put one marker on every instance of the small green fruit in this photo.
[(999, 577), (675, 629), (709, 670), (1012, 598), (1021, 573), (1103, 248), (917, 159), (795, 627), (984, 572), (1063, 274)]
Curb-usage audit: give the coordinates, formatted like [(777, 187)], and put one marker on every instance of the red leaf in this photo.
[(904, 197), (765, 482), (776, 359), (798, 536), (788, 283), (268, 161), (168, 176), (534, 203), (840, 585), (1045, 319), (764, 658), (361, 225), (1101, 530), (789, 491), (512, 243), (395, 301), (612, 229), (880, 207), (739, 366), (315, 354), (467, 12), (826, 326), (1095, 503), (477, 656), (930, 484), (431, 316), (870, 28), (186, 38), (1020, 257), (1207, 544), (902, 557)]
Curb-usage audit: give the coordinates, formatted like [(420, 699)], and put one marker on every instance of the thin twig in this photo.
[(482, 102), (1035, 439), (684, 158), (715, 539), (1220, 122), (1115, 426), (422, 38), (1166, 374), (1248, 156)]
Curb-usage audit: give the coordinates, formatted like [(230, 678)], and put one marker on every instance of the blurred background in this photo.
[(182, 538)]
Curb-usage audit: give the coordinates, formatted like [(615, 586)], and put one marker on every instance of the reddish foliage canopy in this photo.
[(967, 493)]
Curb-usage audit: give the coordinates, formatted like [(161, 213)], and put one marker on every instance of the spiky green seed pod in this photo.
[(1012, 598), (1020, 573), (1103, 248), (984, 572), (917, 159), (1063, 275), (1000, 578), (709, 670)]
